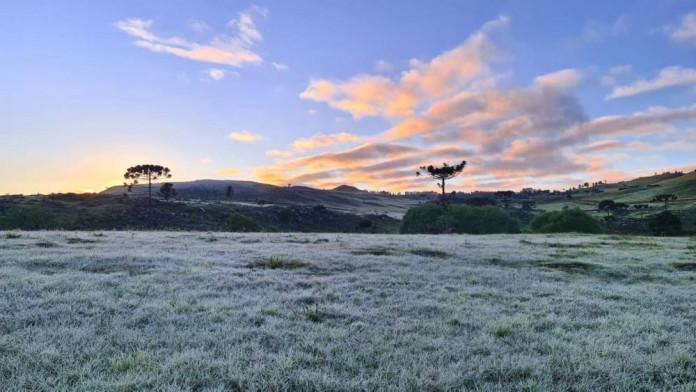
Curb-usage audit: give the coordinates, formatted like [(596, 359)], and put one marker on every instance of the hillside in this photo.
[(343, 198), (643, 189)]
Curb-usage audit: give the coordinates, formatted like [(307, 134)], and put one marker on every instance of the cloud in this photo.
[(198, 26), (667, 77), (686, 31), (280, 67), (279, 154), (596, 31), (235, 51), (610, 79), (560, 80), (511, 136), (206, 161), (244, 137), (216, 73), (373, 95), (383, 66), (318, 141)]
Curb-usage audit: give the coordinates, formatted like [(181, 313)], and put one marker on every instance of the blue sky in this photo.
[(539, 93)]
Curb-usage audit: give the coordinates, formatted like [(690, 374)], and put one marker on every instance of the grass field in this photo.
[(173, 311)]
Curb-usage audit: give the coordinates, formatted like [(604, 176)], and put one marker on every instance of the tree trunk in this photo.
[(149, 187)]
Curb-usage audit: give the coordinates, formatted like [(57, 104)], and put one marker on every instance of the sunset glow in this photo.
[(356, 93)]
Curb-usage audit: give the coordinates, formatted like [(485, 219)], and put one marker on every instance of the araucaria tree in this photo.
[(146, 172), (665, 197), (442, 174)]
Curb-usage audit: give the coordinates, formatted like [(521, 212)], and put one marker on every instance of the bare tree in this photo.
[(144, 172)]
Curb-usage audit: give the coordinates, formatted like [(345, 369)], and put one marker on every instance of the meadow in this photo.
[(184, 311)]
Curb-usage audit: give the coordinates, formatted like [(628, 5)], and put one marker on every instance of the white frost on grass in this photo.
[(213, 311)]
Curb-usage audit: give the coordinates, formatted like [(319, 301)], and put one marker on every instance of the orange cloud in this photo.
[(244, 136), (318, 141)]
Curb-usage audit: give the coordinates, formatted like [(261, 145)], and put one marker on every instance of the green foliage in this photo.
[(29, 218), (567, 220), (429, 218), (239, 222), (482, 220), (426, 218), (665, 223)]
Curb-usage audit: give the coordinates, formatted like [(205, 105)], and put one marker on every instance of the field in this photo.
[(129, 311)]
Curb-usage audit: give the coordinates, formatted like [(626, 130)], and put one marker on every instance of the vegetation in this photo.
[(167, 190), (239, 222), (145, 172), (567, 220), (664, 198), (301, 312), (442, 174), (665, 223), (428, 218)]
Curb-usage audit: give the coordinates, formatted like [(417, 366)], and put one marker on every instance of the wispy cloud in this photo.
[(216, 73), (199, 26), (685, 32), (279, 154), (560, 80), (319, 141), (668, 77), (279, 66), (244, 136), (236, 50)]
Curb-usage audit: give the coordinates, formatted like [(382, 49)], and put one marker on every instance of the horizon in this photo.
[(360, 94)]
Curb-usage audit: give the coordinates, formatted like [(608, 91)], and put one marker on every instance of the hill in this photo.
[(343, 198)]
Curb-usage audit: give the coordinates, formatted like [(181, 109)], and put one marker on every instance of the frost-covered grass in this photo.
[(213, 312)]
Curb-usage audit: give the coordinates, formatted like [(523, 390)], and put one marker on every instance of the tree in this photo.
[(665, 197), (505, 197), (229, 191), (606, 205), (665, 223), (167, 190), (148, 172), (442, 174)]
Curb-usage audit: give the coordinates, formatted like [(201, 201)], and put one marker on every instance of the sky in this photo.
[(542, 94)]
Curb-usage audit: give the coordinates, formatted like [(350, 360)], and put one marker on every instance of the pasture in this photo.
[(183, 311)]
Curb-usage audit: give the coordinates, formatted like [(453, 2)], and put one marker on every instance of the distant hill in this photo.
[(343, 198), (643, 189)]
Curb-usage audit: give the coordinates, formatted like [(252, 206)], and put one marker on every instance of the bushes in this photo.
[(239, 222), (566, 220), (482, 220), (422, 219), (665, 223), (429, 218)]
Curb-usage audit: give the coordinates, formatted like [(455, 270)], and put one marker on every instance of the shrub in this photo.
[(665, 223), (482, 220), (566, 220), (239, 222), (426, 218), (429, 218)]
